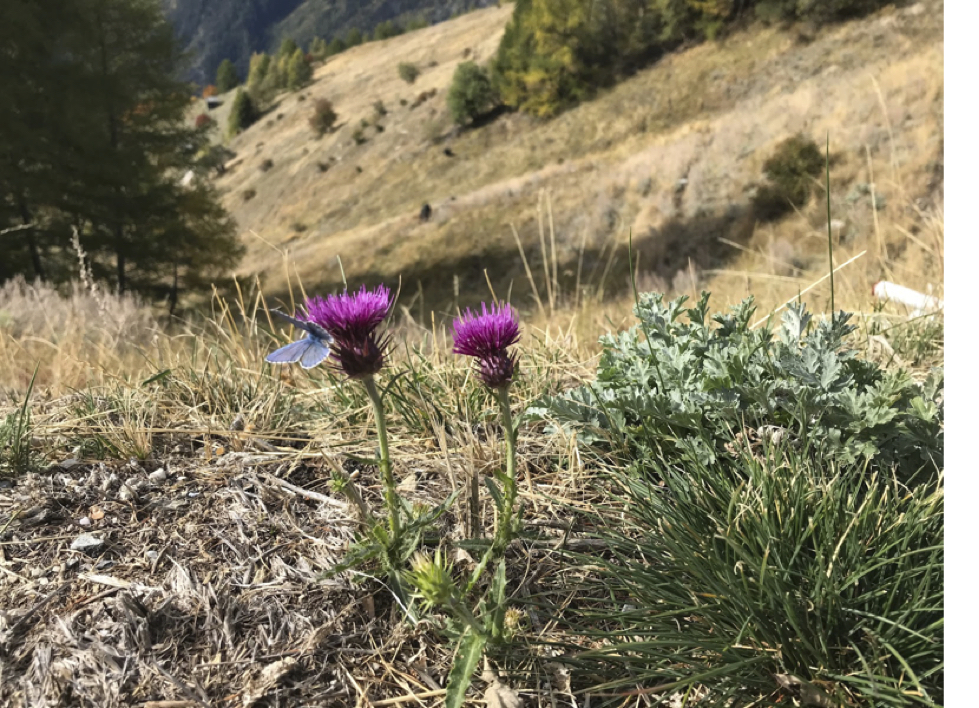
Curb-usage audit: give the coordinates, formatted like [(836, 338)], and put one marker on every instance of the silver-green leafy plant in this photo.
[(684, 383)]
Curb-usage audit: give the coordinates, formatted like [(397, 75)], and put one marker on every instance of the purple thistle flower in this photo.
[(352, 320), (487, 337)]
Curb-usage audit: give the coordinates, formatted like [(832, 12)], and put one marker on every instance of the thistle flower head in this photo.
[(487, 337), (432, 578), (352, 319)]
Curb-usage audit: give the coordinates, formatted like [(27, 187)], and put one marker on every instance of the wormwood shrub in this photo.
[(686, 384), (768, 578)]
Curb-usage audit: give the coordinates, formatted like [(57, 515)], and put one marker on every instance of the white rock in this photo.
[(87, 543), (84, 521), (158, 477)]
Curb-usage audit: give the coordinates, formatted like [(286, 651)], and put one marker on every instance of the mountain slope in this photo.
[(214, 30), (671, 155)]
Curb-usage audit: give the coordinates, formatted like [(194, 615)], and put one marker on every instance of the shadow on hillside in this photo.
[(679, 246)]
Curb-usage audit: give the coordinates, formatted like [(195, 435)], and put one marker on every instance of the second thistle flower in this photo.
[(487, 337), (352, 319)]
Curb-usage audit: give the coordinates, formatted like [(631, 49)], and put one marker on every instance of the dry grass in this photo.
[(208, 588), (710, 115)]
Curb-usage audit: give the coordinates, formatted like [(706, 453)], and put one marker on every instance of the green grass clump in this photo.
[(16, 432), (738, 575), (680, 385)]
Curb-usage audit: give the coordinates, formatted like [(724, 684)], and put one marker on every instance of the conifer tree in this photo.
[(96, 138), (243, 113), (300, 71), (287, 48), (227, 77), (354, 37)]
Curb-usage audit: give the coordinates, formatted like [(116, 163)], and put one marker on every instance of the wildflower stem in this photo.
[(390, 493), (504, 527), (504, 531)]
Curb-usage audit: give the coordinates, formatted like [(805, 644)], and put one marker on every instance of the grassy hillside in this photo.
[(235, 29), (671, 155)]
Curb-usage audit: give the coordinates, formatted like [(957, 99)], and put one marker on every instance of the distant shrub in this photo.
[(336, 46), (471, 93), (227, 77), (403, 101), (248, 195), (359, 137), (243, 113), (416, 23), (323, 166), (408, 72), (203, 121), (266, 164), (379, 128), (299, 227), (379, 110), (323, 118), (790, 173)]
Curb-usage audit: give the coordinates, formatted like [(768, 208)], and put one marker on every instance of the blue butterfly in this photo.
[(308, 351)]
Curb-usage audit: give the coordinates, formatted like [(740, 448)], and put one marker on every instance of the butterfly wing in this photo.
[(311, 327), (290, 353), (316, 352)]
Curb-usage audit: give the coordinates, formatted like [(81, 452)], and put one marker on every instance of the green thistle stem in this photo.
[(504, 531), (504, 527), (390, 492)]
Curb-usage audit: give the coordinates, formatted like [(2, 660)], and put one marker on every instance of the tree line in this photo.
[(555, 53), (95, 140)]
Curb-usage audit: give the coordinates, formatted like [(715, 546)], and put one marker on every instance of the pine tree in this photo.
[(287, 48), (300, 71), (258, 68), (243, 113), (336, 46), (227, 77), (96, 138), (318, 48), (354, 37)]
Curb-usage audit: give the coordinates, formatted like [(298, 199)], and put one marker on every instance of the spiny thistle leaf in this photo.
[(468, 654)]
